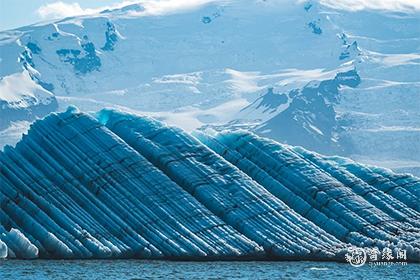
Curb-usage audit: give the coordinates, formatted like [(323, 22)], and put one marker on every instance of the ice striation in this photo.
[(118, 185), (77, 191), (225, 190), (366, 211)]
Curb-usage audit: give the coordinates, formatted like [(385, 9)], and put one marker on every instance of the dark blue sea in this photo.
[(139, 269)]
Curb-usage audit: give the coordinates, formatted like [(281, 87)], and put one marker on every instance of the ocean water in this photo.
[(139, 269)]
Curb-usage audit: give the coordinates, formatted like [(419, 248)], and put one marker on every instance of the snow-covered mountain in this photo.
[(22, 98), (299, 72)]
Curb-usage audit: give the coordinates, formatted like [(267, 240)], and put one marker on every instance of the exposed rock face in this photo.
[(310, 119)]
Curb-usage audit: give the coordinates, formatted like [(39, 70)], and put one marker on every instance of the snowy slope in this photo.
[(212, 66), (310, 119), (21, 98), (127, 186)]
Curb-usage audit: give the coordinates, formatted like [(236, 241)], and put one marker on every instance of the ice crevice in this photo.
[(119, 185)]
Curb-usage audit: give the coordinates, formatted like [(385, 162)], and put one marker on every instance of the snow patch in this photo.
[(20, 91)]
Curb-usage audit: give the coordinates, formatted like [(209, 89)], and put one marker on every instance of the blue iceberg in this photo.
[(76, 190), (359, 211), (118, 185)]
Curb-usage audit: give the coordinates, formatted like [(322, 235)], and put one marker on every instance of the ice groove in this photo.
[(118, 185), (323, 192)]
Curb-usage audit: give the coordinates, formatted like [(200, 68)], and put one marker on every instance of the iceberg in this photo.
[(76, 190), (353, 209), (120, 185), (223, 189)]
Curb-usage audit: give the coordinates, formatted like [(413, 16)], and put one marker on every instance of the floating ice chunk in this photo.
[(3, 250), (18, 243)]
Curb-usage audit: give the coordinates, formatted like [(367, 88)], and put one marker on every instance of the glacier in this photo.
[(121, 185), (196, 67)]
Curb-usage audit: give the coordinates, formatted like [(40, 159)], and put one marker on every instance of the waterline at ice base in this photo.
[(113, 184)]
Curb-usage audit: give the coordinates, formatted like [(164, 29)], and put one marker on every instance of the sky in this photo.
[(17, 13)]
